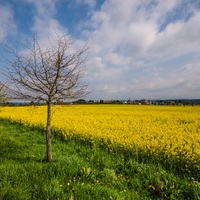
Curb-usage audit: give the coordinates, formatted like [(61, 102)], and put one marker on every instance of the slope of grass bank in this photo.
[(80, 171)]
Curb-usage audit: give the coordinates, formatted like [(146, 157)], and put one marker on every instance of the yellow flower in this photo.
[(174, 130)]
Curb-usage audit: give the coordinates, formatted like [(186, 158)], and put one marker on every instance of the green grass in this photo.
[(80, 171)]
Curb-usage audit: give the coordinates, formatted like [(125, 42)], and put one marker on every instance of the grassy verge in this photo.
[(80, 171)]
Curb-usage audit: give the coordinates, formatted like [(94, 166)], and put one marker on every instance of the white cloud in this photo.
[(117, 60), (179, 38), (130, 50), (138, 49), (45, 26), (47, 29), (6, 22), (44, 22), (133, 27), (44, 8)]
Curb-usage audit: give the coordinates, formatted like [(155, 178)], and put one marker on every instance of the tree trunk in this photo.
[(48, 133)]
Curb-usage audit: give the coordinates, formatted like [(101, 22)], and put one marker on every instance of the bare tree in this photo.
[(48, 74)]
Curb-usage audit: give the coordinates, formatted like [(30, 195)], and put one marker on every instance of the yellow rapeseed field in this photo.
[(174, 130)]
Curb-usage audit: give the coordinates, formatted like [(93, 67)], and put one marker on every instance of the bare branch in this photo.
[(4, 96), (48, 73)]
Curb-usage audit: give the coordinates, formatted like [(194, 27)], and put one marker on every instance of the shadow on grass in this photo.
[(14, 150)]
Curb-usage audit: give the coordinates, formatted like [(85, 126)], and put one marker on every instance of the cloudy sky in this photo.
[(138, 48)]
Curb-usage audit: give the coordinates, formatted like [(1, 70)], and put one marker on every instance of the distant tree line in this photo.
[(183, 102), (141, 102)]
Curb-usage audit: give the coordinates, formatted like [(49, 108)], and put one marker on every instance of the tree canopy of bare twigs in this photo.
[(48, 74)]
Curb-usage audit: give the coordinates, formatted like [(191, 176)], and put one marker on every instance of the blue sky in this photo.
[(138, 48)]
